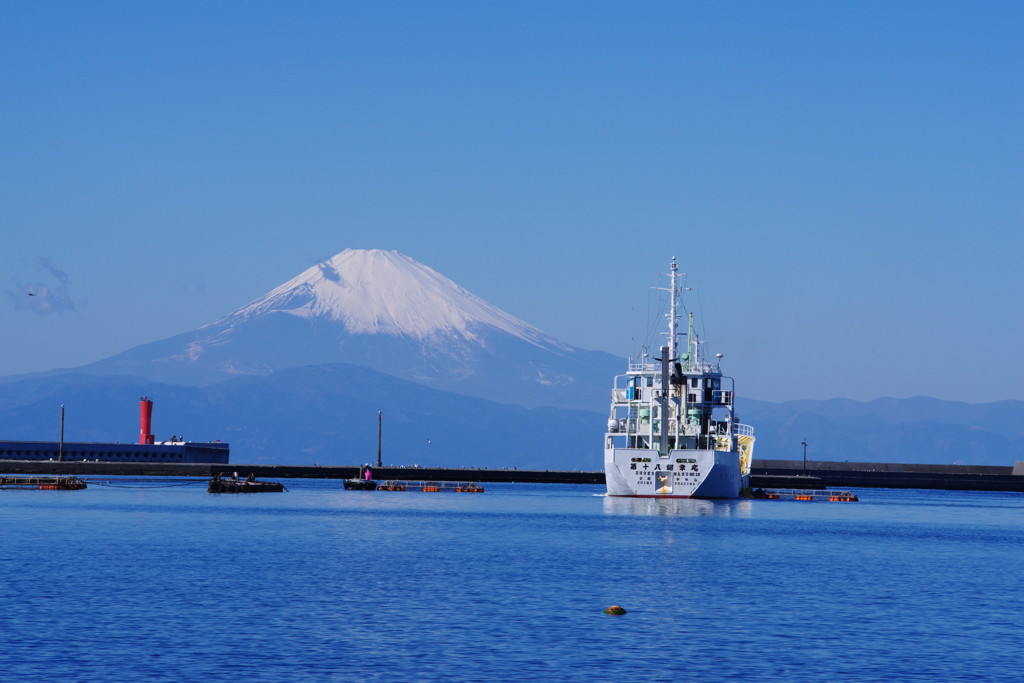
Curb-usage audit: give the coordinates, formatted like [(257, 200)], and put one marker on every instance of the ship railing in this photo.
[(742, 430), (632, 425), (710, 368), (640, 425), (638, 395), (644, 367)]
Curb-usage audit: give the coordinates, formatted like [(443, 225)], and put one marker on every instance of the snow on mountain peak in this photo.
[(385, 292)]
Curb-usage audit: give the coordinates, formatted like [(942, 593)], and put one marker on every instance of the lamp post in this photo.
[(804, 444), (60, 451), (378, 440)]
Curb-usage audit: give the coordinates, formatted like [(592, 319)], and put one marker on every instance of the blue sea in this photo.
[(158, 580)]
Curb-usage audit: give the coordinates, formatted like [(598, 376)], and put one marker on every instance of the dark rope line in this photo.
[(160, 486)]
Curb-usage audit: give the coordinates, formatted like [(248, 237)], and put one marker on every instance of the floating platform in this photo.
[(430, 486), (360, 485), (250, 485), (806, 494), (43, 483)]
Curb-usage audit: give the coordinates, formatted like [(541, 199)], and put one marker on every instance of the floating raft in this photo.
[(43, 483), (360, 485), (431, 486), (806, 494), (250, 485)]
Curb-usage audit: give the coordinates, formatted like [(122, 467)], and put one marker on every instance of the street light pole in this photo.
[(60, 452), (378, 440), (804, 444)]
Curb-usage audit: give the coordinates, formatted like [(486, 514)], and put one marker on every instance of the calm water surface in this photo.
[(175, 584)]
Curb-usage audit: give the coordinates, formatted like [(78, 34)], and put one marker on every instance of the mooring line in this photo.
[(159, 486)]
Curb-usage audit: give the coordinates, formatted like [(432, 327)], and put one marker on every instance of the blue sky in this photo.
[(841, 181)]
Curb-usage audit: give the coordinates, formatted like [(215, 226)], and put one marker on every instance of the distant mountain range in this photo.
[(298, 375), (910, 430)]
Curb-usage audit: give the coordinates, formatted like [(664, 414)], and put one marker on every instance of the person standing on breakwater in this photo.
[(367, 475)]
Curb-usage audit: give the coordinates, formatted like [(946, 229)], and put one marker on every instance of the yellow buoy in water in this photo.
[(615, 609)]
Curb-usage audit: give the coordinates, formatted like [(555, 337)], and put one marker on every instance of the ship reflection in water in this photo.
[(676, 507)]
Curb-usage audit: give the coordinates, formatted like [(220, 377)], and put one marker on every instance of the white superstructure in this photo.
[(672, 430)]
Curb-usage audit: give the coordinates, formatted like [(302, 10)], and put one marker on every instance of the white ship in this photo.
[(672, 431)]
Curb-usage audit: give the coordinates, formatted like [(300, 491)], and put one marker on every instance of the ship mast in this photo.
[(668, 356), (690, 352), (672, 315), (673, 322)]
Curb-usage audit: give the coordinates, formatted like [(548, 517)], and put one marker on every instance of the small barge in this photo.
[(360, 485), (235, 485), (431, 486), (364, 480), (43, 483), (806, 494)]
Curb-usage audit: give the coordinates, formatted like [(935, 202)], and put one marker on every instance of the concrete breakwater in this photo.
[(300, 472), (764, 473), (897, 475)]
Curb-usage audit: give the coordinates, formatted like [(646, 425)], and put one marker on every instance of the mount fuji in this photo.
[(382, 310)]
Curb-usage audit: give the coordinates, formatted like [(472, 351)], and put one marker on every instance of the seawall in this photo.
[(764, 473), (898, 475), (299, 472)]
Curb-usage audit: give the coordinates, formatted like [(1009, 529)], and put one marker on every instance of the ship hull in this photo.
[(642, 473)]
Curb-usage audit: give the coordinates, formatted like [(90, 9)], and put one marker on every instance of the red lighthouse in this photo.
[(145, 420)]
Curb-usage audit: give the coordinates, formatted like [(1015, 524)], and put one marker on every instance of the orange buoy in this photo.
[(615, 609)]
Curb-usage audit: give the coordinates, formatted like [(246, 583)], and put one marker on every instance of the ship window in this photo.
[(693, 382)]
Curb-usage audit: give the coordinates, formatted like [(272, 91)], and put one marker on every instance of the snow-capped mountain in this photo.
[(384, 292), (379, 292), (383, 310)]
